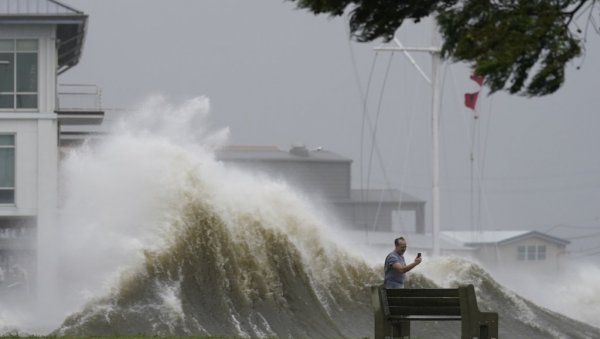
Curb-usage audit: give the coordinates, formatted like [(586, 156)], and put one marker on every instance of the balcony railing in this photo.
[(79, 104), (79, 97)]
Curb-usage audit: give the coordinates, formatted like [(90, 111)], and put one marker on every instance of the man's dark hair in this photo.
[(397, 240)]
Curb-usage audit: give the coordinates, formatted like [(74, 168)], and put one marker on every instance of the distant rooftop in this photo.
[(274, 153), (70, 25), (383, 195), (496, 237)]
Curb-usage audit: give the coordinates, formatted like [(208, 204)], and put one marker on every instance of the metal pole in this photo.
[(435, 82), (435, 132)]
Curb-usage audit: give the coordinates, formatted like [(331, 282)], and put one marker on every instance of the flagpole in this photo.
[(435, 131), (435, 83)]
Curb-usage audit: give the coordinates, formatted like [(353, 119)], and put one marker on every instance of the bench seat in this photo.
[(396, 308)]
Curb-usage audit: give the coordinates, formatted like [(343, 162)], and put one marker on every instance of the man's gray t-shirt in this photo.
[(392, 277)]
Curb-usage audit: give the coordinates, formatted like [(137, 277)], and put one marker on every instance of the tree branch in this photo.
[(571, 14)]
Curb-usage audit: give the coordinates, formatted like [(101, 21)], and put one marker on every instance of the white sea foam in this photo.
[(573, 290), (580, 303), (117, 196)]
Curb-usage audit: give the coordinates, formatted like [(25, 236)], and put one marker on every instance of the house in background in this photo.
[(326, 176), (39, 39), (530, 251)]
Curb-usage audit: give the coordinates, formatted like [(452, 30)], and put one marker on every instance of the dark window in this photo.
[(530, 252), (521, 253), (541, 252), (7, 169), (18, 74)]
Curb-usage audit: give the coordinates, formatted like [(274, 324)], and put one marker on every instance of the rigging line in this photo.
[(477, 146), (487, 133), (477, 169), (583, 250), (385, 176), (585, 31), (474, 126), (377, 115), (483, 153), (362, 128), (405, 164), (586, 250), (364, 96), (587, 254), (448, 68), (583, 10), (595, 234), (587, 22), (366, 117), (571, 227), (374, 132), (587, 26)]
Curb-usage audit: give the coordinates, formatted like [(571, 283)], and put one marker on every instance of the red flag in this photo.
[(471, 99), (477, 78)]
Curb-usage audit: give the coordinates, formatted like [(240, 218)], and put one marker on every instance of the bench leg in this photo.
[(395, 330), (389, 330), (402, 329), (483, 327)]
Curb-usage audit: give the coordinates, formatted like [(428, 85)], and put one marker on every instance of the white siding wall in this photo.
[(36, 142), (326, 179), (506, 256), (365, 216), (36, 149)]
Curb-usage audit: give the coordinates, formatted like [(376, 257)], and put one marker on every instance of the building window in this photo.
[(18, 74), (7, 169), (521, 253), (531, 252), (541, 252)]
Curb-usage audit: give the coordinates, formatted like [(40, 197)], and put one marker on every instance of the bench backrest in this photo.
[(421, 302)]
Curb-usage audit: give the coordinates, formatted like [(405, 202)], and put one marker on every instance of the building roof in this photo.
[(471, 238), (383, 195), (35, 7), (70, 24), (274, 153)]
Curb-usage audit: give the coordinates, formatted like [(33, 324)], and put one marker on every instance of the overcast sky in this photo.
[(279, 76)]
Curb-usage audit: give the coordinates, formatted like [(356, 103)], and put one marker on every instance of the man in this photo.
[(395, 266)]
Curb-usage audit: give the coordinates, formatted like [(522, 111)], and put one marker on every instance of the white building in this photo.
[(529, 251), (39, 39)]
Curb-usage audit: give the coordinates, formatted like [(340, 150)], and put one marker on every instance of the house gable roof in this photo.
[(384, 195), (267, 153), (470, 238)]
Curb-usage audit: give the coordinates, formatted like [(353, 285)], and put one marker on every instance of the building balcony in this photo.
[(79, 104)]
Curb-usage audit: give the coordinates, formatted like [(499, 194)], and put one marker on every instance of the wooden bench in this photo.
[(396, 308)]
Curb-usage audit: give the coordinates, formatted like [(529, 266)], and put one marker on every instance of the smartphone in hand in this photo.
[(419, 255)]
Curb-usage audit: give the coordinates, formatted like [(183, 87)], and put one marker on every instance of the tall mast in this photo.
[(435, 132), (435, 83)]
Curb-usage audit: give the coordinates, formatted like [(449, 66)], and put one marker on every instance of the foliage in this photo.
[(503, 40)]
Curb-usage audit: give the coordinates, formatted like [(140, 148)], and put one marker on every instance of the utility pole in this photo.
[(435, 83)]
